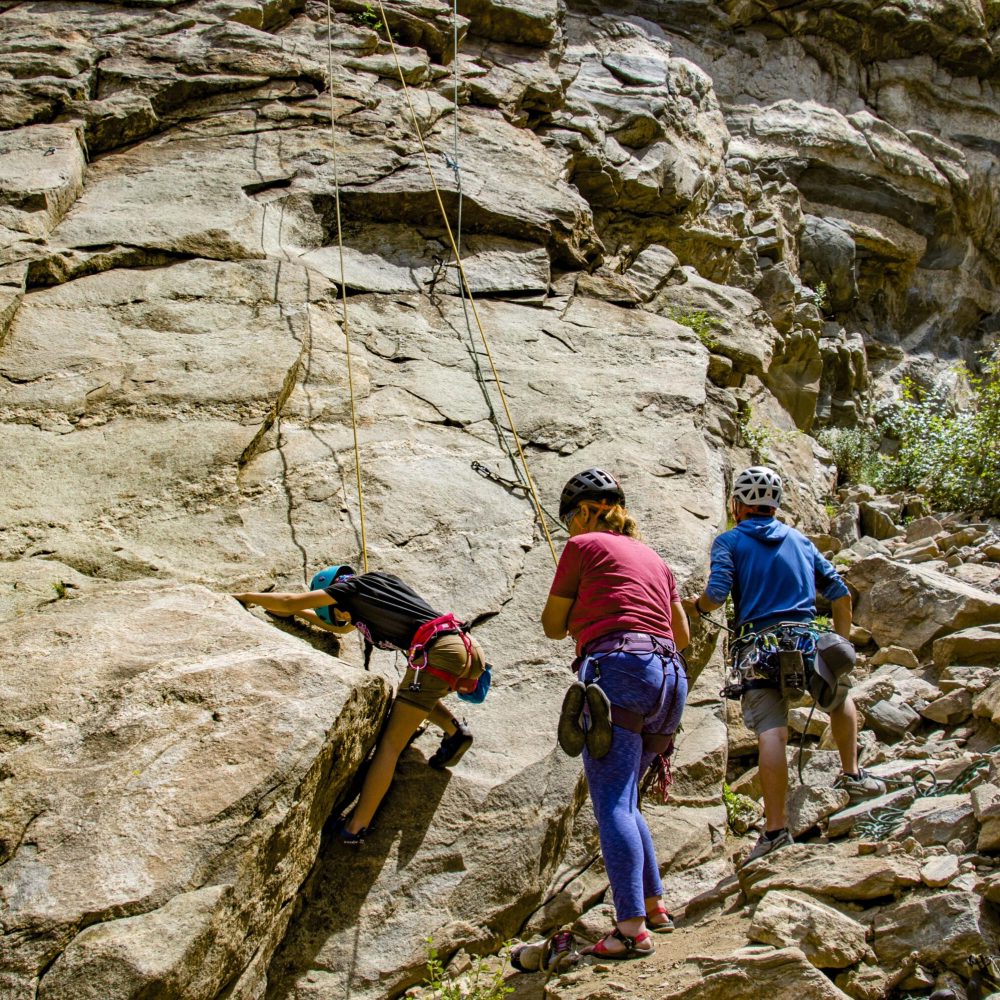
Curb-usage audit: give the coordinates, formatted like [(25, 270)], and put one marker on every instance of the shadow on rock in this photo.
[(332, 899)]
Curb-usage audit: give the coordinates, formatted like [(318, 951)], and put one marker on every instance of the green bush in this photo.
[(854, 451), (950, 455), (701, 322)]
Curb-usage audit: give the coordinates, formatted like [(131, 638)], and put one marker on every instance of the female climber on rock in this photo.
[(618, 599), (441, 657)]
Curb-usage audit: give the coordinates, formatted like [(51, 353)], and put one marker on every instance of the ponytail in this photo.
[(617, 518)]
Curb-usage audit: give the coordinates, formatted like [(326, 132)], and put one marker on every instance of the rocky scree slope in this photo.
[(686, 227)]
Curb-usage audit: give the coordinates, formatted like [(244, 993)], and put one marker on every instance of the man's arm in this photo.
[(843, 614)]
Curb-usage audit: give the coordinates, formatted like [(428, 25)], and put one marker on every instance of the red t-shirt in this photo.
[(617, 584)]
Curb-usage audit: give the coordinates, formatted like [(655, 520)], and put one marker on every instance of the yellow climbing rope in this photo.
[(343, 280), (465, 284)]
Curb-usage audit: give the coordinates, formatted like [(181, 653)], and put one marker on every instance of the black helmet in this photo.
[(591, 484)]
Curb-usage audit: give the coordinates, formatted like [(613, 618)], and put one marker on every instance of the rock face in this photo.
[(168, 770), (689, 236)]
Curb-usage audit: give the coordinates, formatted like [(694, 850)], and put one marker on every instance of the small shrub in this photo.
[(481, 982), (755, 437), (369, 18), (701, 322), (821, 297), (60, 588), (951, 455), (854, 451), (741, 810)]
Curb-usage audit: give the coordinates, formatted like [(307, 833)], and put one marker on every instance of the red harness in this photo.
[(424, 637)]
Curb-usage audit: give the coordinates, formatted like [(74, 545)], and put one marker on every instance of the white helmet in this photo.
[(758, 486)]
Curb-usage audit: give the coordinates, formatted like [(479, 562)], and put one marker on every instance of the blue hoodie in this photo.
[(773, 572)]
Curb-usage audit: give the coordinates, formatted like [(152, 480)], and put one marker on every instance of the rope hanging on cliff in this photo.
[(343, 281), (465, 283)]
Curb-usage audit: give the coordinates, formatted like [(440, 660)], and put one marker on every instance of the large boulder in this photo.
[(945, 928), (170, 763), (829, 938), (912, 606), (825, 871)]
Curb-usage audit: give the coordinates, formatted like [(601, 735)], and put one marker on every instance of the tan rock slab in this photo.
[(950, 709), (939, 871), (809, 806), (151, 728), (987, 703), (829, 938), (895, 654), (912, 605), (940, 819), (974, 647), (943, 927), (824, 871)]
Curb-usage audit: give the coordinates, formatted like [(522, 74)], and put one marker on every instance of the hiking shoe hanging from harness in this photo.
[(452, 748), (571, 735)]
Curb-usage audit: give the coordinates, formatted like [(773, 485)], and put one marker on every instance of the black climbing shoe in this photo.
[(599, 731), (452, 748), (571, 735), (342, 834)]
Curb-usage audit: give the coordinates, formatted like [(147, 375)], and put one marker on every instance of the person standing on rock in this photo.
[(773, 573), (441, 657), (619, 601)]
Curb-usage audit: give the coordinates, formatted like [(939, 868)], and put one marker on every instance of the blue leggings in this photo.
[(634, 682)]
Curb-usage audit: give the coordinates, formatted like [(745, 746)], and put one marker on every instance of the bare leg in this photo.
[(774, 776), (844, 726), (403, 723), (441, 717)]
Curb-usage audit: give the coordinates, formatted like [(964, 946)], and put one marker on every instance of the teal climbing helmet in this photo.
[(323, 579)]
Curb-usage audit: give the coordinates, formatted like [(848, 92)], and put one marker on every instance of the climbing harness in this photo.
[(659, 744), (776, 657), (879, 823), (426, 636)]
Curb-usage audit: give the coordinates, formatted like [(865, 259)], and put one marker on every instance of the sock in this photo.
[(774, 834)]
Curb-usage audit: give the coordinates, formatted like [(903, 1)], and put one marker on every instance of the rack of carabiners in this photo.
[(879, 823), (755, 655)]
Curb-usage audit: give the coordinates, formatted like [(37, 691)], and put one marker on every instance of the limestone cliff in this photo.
[(686, 226)]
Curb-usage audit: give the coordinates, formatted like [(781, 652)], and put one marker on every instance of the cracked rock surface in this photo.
[(688, 229)]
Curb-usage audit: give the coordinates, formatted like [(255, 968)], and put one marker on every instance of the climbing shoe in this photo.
[(860, 786), (571, 736), (344, 835), (766, 844), (452, 748), (599, 732)]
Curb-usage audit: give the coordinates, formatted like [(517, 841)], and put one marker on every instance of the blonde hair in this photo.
[(614, 517)]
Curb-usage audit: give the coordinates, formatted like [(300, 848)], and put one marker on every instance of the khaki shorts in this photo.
[(764, 708), (446, 653)]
